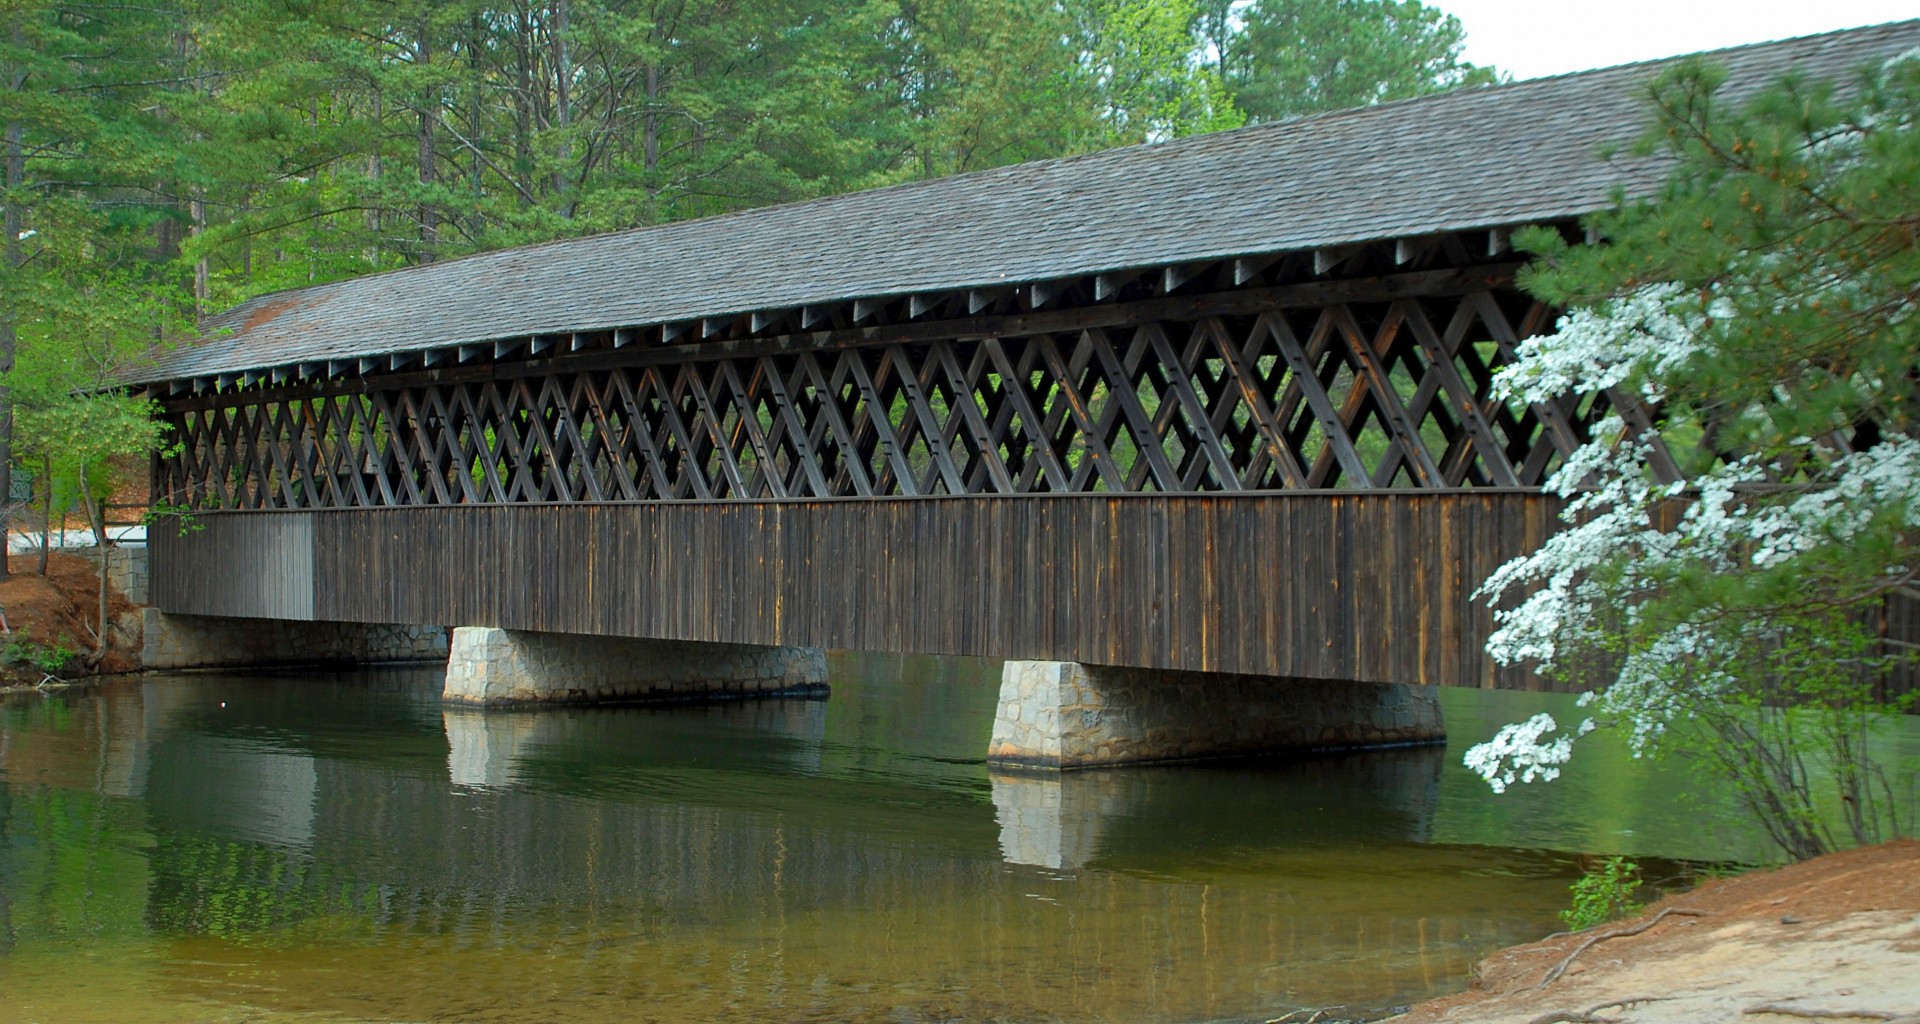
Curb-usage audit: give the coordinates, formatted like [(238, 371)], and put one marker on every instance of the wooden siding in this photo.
[(276, 551), (1362, 586)]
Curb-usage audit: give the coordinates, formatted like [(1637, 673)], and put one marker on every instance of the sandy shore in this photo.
[(1835, 939)]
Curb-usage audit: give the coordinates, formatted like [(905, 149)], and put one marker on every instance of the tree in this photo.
[(1723, 584), (983, 83), (1297, 57), (89, 225), (1151, 86)]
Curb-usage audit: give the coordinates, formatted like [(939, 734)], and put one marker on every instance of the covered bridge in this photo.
[(1221, 404)]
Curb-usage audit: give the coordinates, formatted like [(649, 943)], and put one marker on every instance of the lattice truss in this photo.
[(1358, 395)]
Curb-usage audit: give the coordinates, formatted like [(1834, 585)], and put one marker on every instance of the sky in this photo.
[(1531, 38)]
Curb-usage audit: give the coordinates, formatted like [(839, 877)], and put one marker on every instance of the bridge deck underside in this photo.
[(1326, 585)]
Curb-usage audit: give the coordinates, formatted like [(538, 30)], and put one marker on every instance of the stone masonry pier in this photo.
[(171, 641), (490, 666), (1055, 714)]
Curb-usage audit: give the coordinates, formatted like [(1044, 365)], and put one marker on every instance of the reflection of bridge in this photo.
[(1220, 405), (657, 854)]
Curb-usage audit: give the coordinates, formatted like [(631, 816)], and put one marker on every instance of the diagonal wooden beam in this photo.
[(882, 426), (1306, 376), (1187, 400), (1270, 427), (969, 415), (1440, 368), (1121, 392), (1375, 376), (845, 438), (1014, 380)]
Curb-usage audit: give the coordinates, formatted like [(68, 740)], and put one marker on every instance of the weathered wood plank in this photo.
[(1345, 585)]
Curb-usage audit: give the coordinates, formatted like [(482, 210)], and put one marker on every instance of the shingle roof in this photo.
[(1477, 158)]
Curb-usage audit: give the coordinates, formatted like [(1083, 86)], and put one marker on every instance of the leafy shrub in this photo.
[(1603, 894), (49, 659)]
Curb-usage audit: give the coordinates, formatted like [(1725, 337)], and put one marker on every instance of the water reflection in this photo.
[(1053, 820), (1117, 819), (344, 848)]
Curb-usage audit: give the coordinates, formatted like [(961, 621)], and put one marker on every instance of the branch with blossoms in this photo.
[(1765, 307)]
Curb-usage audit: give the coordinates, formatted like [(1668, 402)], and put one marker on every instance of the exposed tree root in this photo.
[(1815, 1013), (1315, 1015), (1561, 967), (1573, 1017)]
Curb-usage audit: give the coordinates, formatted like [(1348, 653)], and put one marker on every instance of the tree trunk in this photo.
[(16, 173), (650, 143), (476, 122), (429, 112), (96, 518), (562, 101), (197, 208), (46, 516), (523, 108), (373, 178)]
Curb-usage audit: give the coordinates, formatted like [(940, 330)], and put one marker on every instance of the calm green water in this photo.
[(341, 848)]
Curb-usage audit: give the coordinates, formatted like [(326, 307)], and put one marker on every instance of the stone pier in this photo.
[(490, 666), (203, 641), (1055, 714)]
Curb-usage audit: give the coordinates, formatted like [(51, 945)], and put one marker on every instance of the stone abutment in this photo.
[(202, 641), (495, 667), (1058, 714)]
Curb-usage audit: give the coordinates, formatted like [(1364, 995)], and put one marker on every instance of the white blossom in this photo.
[(1516, 753), (1649, 331), (1610, 529)]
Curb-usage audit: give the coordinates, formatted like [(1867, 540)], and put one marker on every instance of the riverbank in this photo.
[(51, 622), (1836, 938)]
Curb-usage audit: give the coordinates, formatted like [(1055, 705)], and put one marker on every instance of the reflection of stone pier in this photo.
[(1067, 820), (1054, 820), (481, 748), (487, 748)]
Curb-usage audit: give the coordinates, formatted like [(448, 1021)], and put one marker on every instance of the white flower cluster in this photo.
[(1611, 546), (1612, 515), (1652, 330), (1516, 753)]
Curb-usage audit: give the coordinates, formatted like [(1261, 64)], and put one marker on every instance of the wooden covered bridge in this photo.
[(1220, 405)]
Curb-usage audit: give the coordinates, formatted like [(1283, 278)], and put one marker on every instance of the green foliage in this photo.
[(1295, 57), (85, 283), (1789, 221), (1603, 894), (270, 146), (49, 658), (183, 518), (1141, 54), (166, 160)]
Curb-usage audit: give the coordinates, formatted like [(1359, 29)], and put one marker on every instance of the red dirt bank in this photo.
[(1834, 939), (62, 608)]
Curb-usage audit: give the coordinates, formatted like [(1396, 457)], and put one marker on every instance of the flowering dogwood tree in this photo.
[(1765, 298)]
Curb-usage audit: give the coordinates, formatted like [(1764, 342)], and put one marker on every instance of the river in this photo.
[(273, 848)]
